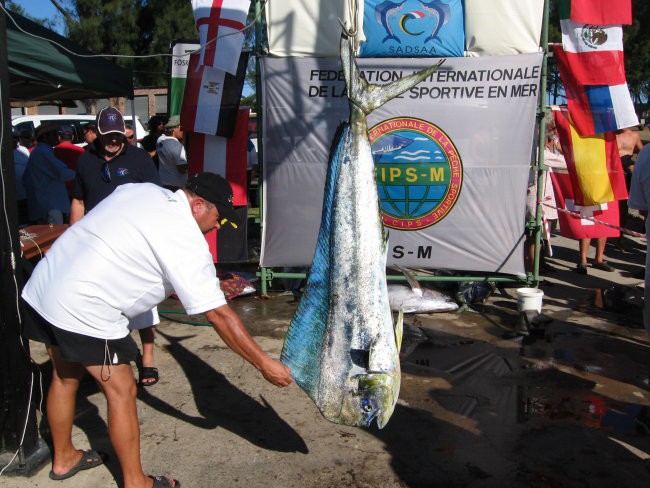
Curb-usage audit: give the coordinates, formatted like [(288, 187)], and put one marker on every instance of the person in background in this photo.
[(44, 179), (109, 163), (67, 152), (130, 134), (171, 156), (21, 156), (553, 158), (640, 200), (156, 126), (629, 143), (26, 140), (90, 135), (152, 245)]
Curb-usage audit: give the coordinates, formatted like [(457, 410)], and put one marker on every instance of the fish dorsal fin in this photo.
[(411, 280), (399, 329)]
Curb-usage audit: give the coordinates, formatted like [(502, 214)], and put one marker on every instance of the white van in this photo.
[(77, 122)]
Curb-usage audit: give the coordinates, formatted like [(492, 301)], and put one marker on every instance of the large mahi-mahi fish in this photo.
[(341, 345)]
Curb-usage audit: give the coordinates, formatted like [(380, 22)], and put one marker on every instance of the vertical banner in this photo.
[(452, 157), (178, 74)]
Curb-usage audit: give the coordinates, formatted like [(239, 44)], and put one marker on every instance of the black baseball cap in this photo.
[(109, 119), (215, 189)]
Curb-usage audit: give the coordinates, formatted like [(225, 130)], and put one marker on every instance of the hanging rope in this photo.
[(577, 215)]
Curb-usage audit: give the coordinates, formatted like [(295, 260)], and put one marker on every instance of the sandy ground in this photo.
[(479, 406)]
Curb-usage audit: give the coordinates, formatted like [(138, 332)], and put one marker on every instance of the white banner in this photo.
[(452, 158)]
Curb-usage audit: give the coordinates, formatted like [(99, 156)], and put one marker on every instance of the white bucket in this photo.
[(529, 299)]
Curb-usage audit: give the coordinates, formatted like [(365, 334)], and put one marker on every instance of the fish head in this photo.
[(375, 398)]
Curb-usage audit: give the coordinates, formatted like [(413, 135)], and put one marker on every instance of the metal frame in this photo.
[(535, 225)]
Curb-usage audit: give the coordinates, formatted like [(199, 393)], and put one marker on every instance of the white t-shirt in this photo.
[(171, 154), (135, 248)]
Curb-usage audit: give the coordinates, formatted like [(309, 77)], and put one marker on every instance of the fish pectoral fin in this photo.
[(360, 358), (399, 329)]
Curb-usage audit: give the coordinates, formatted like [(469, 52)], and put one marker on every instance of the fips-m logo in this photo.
[(418, 170), (593, 36)]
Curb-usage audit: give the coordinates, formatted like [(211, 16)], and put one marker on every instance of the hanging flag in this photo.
[(211, 98), (230, 243), (228, 158), (579, 228), (413, 28), (595, 109), (593, 163), (502, 27), (600, 12), (594, 53), (179, 62), (220, 24)]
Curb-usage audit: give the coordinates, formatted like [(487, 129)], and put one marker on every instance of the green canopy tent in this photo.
[(42, 71)]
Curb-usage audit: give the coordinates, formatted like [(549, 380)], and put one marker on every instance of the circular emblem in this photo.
[(418, 170), (593, 36)]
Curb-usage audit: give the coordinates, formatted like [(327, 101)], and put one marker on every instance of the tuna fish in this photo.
[(427, 301), (412, 298), (341, 345)]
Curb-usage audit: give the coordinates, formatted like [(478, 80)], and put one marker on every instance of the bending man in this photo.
[(133, 250)]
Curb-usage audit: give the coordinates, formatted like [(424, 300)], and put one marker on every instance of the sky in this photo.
[(42, 9)]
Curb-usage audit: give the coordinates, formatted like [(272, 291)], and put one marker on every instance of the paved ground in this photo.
[(480, 406)]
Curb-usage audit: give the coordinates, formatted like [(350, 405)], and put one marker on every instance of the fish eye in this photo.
[(366, 406)]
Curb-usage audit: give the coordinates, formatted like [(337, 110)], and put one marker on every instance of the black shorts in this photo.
[(79, 348)]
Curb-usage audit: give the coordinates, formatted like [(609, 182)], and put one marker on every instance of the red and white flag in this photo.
[(580, 228), (220, 24), (211, 98), (599, 12)]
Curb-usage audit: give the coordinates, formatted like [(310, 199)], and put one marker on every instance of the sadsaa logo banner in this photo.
[(413, 28)]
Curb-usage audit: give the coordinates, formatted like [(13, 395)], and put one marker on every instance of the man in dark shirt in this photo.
[(108, 163)]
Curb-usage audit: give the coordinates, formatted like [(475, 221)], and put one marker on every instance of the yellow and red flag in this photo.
[(593, 163)]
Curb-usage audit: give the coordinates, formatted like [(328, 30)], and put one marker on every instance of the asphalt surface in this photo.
[(480, 405)]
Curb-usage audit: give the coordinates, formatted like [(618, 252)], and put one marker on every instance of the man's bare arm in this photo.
[(77, 209), (233, 332)]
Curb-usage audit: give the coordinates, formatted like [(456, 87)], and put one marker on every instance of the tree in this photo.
[(131, 27)]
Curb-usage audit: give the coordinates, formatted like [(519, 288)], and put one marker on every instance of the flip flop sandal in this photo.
[(89, 459), (162, 482), (148, 373)]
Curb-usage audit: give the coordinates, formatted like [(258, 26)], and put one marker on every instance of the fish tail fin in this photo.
[(374, 96)]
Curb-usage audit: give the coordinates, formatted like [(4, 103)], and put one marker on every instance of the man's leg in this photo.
[(61, 400), (147, 337), (600, 249), (117, 383), (584, 249)]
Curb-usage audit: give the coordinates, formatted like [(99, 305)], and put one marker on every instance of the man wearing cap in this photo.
[(109, 163), (143, 243), (44, 179), (171, 155)]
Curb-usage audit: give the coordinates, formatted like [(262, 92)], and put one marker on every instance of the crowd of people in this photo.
[(135, 237)]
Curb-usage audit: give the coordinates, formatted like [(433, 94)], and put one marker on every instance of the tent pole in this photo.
[(540, 167), (135, 126), (22, 451)]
